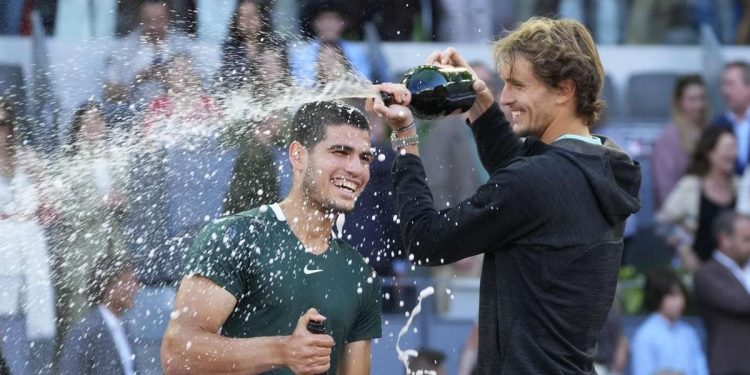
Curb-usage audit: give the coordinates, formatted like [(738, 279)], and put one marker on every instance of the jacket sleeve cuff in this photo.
[(490, 116)]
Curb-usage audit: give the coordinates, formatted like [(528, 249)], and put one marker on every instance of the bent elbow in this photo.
[(171, 362)]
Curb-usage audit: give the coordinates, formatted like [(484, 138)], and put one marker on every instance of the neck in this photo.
[(565, 125), (668, 318), (308, 221), (741, 112), (718, 176)]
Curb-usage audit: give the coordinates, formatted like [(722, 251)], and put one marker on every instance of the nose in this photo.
[(354, 165), (506, 97)]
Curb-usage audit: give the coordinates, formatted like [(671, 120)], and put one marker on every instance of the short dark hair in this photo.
[(660, 283), (105, 272), (744, 66), (725, 221), (310, 121), (316, 7)]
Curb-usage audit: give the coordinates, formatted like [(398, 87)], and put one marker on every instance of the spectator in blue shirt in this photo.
[(664, 344), (328, 54)]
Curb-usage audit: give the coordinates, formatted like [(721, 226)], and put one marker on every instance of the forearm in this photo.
[(435, 237), (194, 351), (496, 142)]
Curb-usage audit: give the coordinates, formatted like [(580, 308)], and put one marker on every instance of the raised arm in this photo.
[(496, 143), (491, 218), (495, 140), (192, 344)]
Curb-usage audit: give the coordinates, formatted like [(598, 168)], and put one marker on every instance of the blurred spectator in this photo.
[(79, 20), (254, 178), (709, 187), (11, 12), (735, 88), (185, 111), (183, 13), (722, 291), (677, 141), (134, 70), (663, 343), (91, 201), (177, 145), (427, 362), (249, 32), (99, 343), (662, 22), (612, 345), (26, 298), (327, 55), (258, 61)]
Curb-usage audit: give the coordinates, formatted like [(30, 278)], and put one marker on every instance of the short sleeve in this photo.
[(368, 323), (215, 254)]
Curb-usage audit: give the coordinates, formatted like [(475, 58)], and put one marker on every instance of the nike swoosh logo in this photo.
[(308, 271)]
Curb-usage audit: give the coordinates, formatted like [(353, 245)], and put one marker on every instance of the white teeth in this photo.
[(515, 114), (344, 184)]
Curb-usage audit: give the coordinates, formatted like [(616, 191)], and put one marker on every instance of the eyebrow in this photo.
[(346, 148), (513, 81)]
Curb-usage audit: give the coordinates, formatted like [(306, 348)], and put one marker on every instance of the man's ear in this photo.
[(297, 156), (565, 91)]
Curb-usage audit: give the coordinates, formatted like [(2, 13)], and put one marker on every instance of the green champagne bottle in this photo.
[(437, 91)]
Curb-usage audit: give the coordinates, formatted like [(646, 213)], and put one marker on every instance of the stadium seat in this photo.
[(649, 95)]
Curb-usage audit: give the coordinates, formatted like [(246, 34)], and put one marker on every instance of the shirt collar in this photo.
[(733, 267), (280, 216), (735, 120), (594, 140)]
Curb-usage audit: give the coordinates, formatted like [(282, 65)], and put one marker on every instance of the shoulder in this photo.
[(709, 269), (303, 49), (352, 47), (667, 135), (688, 182), (648, 329), (89, 326), (721, 121), (235, 228)]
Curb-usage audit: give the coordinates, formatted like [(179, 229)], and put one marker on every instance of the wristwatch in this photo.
[(399, 143)]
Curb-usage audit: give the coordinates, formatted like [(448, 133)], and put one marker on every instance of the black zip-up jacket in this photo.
[(549, 222)]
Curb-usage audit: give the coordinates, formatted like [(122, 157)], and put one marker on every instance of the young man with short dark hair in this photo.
[(258, 277)]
